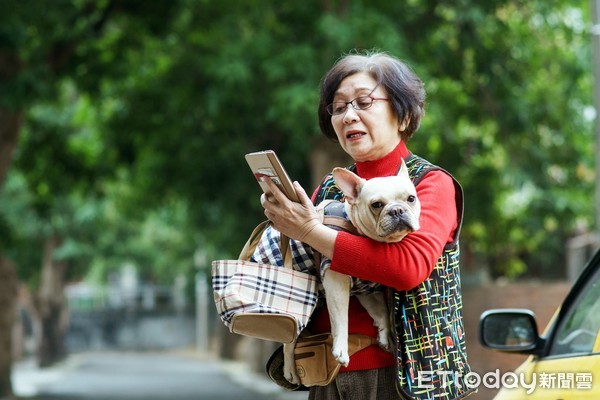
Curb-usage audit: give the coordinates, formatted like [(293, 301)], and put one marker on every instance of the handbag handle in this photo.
[(254, 239)]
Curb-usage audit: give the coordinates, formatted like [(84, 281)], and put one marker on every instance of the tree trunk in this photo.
[(324, 156), (51, 306), (8, 294), (10, 126)]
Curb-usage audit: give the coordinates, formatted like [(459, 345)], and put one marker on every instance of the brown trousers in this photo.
[(373, 384)]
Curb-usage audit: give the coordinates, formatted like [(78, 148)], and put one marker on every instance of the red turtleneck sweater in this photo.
[(402, 265)]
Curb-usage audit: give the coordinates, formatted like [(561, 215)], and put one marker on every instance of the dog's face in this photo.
[(385, 209)]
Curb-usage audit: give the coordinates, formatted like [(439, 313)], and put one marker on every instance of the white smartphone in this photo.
[(266, 164)]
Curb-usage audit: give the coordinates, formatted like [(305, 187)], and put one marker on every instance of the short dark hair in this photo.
[(404, 88)]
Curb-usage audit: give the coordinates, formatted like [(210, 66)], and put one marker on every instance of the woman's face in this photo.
[(370, 134)]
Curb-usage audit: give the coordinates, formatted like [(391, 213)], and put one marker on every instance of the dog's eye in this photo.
[(411, 199), (377, 204)]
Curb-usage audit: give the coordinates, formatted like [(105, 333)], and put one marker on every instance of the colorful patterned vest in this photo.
[(430, 350)]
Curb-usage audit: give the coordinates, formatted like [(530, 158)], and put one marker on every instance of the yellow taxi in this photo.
[(564, 362)]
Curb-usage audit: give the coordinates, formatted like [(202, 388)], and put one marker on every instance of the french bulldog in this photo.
[(385, 209)]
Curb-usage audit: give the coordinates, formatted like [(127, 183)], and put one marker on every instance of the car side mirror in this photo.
[(509, 330)]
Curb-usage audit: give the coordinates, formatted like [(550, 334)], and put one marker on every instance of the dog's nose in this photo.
[(396, 212)]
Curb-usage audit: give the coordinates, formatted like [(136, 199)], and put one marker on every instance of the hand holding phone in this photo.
[(266, 164)]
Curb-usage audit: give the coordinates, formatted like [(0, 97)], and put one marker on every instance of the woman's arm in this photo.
[(402, 265)]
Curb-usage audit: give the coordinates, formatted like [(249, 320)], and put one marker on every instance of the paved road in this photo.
[(145, 376)]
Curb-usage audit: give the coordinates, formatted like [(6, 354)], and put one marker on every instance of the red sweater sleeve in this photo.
[(405, 264)]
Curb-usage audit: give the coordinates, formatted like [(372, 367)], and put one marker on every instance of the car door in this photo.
[(569, 369)]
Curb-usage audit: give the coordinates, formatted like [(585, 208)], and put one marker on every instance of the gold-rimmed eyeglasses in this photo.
[(359, 103)]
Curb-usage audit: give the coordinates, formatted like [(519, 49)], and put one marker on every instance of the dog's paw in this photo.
[(384, 339), (341, 355), (290, 375)]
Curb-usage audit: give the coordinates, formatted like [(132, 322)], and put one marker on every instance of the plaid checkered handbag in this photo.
[(260, 300)]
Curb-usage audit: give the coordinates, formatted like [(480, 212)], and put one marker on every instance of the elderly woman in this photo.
[(372, 104)]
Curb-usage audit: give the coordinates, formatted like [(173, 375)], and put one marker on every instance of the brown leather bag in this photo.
[(315, 364)]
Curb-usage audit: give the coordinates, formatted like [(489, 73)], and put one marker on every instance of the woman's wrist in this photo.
[(322, 239)]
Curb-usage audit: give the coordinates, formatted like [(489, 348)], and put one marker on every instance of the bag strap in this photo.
[(254, 239), (357, 342), (286, 251), (336, 218), (340, 223)]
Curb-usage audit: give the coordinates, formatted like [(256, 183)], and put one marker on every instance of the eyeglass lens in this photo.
[(359, 103)]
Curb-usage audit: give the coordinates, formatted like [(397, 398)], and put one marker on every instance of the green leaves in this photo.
[(140, 113)]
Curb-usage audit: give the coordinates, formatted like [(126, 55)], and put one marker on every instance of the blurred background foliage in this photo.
[(137, 116)]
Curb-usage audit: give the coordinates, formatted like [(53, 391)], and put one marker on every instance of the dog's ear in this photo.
[(348, 182), (403, 171)]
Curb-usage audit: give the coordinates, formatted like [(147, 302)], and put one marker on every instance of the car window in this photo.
[(579, 329)]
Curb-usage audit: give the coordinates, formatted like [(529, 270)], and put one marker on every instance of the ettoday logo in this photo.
[(507, 380)]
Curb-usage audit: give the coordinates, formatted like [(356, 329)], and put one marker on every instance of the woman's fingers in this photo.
[(302, 195), (276, 194), (264, 199)]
